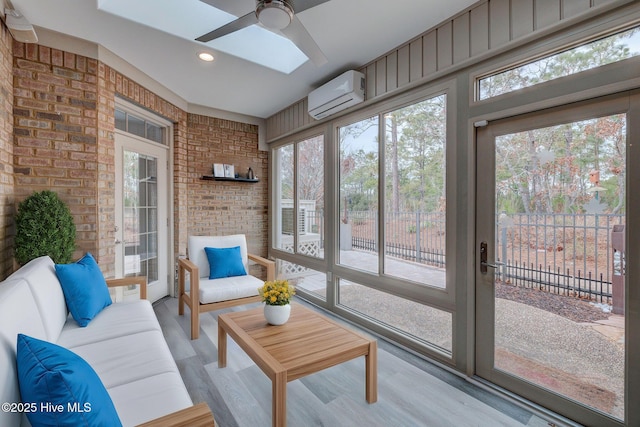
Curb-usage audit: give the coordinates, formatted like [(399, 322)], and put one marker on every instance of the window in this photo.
[(140, 126), (387, 216), (311, 197), (415, 192), (419, 321), (585, 57), (283, 164), (392, 220), (303, 231), (359, 176), (412, 246), (303, 278)]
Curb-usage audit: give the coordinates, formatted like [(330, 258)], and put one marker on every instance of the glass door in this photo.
[(550, 277), (141, 215)]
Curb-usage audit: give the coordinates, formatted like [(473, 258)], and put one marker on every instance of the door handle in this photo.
[(483, 259)]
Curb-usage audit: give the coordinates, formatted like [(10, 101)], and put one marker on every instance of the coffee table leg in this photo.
[(371, 368), (279, 403), (222, 347)]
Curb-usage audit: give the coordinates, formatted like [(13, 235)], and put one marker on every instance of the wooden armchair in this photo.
[(207, 294)]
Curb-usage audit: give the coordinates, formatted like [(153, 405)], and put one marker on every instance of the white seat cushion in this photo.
[(123, 318), (228, 288), (128, 358), (149, 398)]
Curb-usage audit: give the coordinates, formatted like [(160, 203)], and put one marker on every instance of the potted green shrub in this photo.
[(44, 226)]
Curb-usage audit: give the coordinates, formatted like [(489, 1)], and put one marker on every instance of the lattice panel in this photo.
[(287, 269)]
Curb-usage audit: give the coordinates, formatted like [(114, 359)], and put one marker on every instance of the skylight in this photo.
[(189, 19)]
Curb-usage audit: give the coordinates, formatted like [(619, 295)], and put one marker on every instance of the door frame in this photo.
[(128, 142), (168, 144), (626, 102)]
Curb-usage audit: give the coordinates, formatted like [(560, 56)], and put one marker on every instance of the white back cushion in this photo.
[(18, 314), (41, 276), (196, 245)]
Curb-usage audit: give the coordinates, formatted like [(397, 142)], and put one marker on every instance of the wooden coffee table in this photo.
[(307, 343)]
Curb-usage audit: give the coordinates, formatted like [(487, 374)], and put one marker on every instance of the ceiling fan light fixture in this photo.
[(274, 14)]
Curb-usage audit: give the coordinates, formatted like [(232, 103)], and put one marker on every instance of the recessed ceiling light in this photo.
[(205, 56)]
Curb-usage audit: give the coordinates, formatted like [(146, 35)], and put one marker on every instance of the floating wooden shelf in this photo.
[(221, 178)]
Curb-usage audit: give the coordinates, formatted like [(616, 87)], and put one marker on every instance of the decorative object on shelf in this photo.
[(229, 171), (250, 174), (218, 170), (277, 296), (222, 178)]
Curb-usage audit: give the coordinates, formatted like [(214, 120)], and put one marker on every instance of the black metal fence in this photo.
[(567, 254), (589, 287), (414, 236)]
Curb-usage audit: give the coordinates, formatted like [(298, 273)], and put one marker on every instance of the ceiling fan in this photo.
[(278, 16)]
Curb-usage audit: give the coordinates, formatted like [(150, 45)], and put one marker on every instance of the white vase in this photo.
[(277, 314)]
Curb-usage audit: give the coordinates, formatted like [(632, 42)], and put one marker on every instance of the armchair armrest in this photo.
[(196, 416), (128, 281), (270, 265), (188, 265)]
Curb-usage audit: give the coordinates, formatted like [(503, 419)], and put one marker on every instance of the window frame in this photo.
[(439, 298), (544, 47), (435, 297), (294, 256)]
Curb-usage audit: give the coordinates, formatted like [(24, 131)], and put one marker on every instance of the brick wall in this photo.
[(64, 140), (221, 207), (7, 210), (55, 132), (105, 180)]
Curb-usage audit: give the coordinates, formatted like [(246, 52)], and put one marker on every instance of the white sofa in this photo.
[(123, 344)]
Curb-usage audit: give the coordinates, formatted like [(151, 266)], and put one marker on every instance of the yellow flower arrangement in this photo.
[(277, 292)]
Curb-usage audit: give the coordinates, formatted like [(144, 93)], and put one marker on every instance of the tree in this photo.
[(311, 170)]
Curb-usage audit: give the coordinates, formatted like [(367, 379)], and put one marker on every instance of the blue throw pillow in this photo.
[(225, 262), (61, 387), (84, 288)]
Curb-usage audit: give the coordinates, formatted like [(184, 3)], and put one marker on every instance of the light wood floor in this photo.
[(411, 391)]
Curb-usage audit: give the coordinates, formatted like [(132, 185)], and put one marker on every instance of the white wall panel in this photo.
[(461, 40), (429, 53), (485, 27), (521, 18), (392, 71), (499, 25), (445, 46), (479, 29), (404, 65), (415, 60), (547, 12)]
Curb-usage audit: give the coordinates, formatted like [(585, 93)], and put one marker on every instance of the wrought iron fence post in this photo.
[(503, 244), (418, 232)]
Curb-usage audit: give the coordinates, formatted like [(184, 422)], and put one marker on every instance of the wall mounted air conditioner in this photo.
[(342, 92)]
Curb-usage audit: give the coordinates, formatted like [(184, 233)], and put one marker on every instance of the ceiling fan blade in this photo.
[(301, 5), (240, 23), (298, 34)]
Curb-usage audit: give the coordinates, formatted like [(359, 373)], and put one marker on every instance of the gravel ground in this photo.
[(553, 330), (572, 308), (548, 329)]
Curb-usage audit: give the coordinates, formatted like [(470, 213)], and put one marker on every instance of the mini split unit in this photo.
[(342, 92)]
